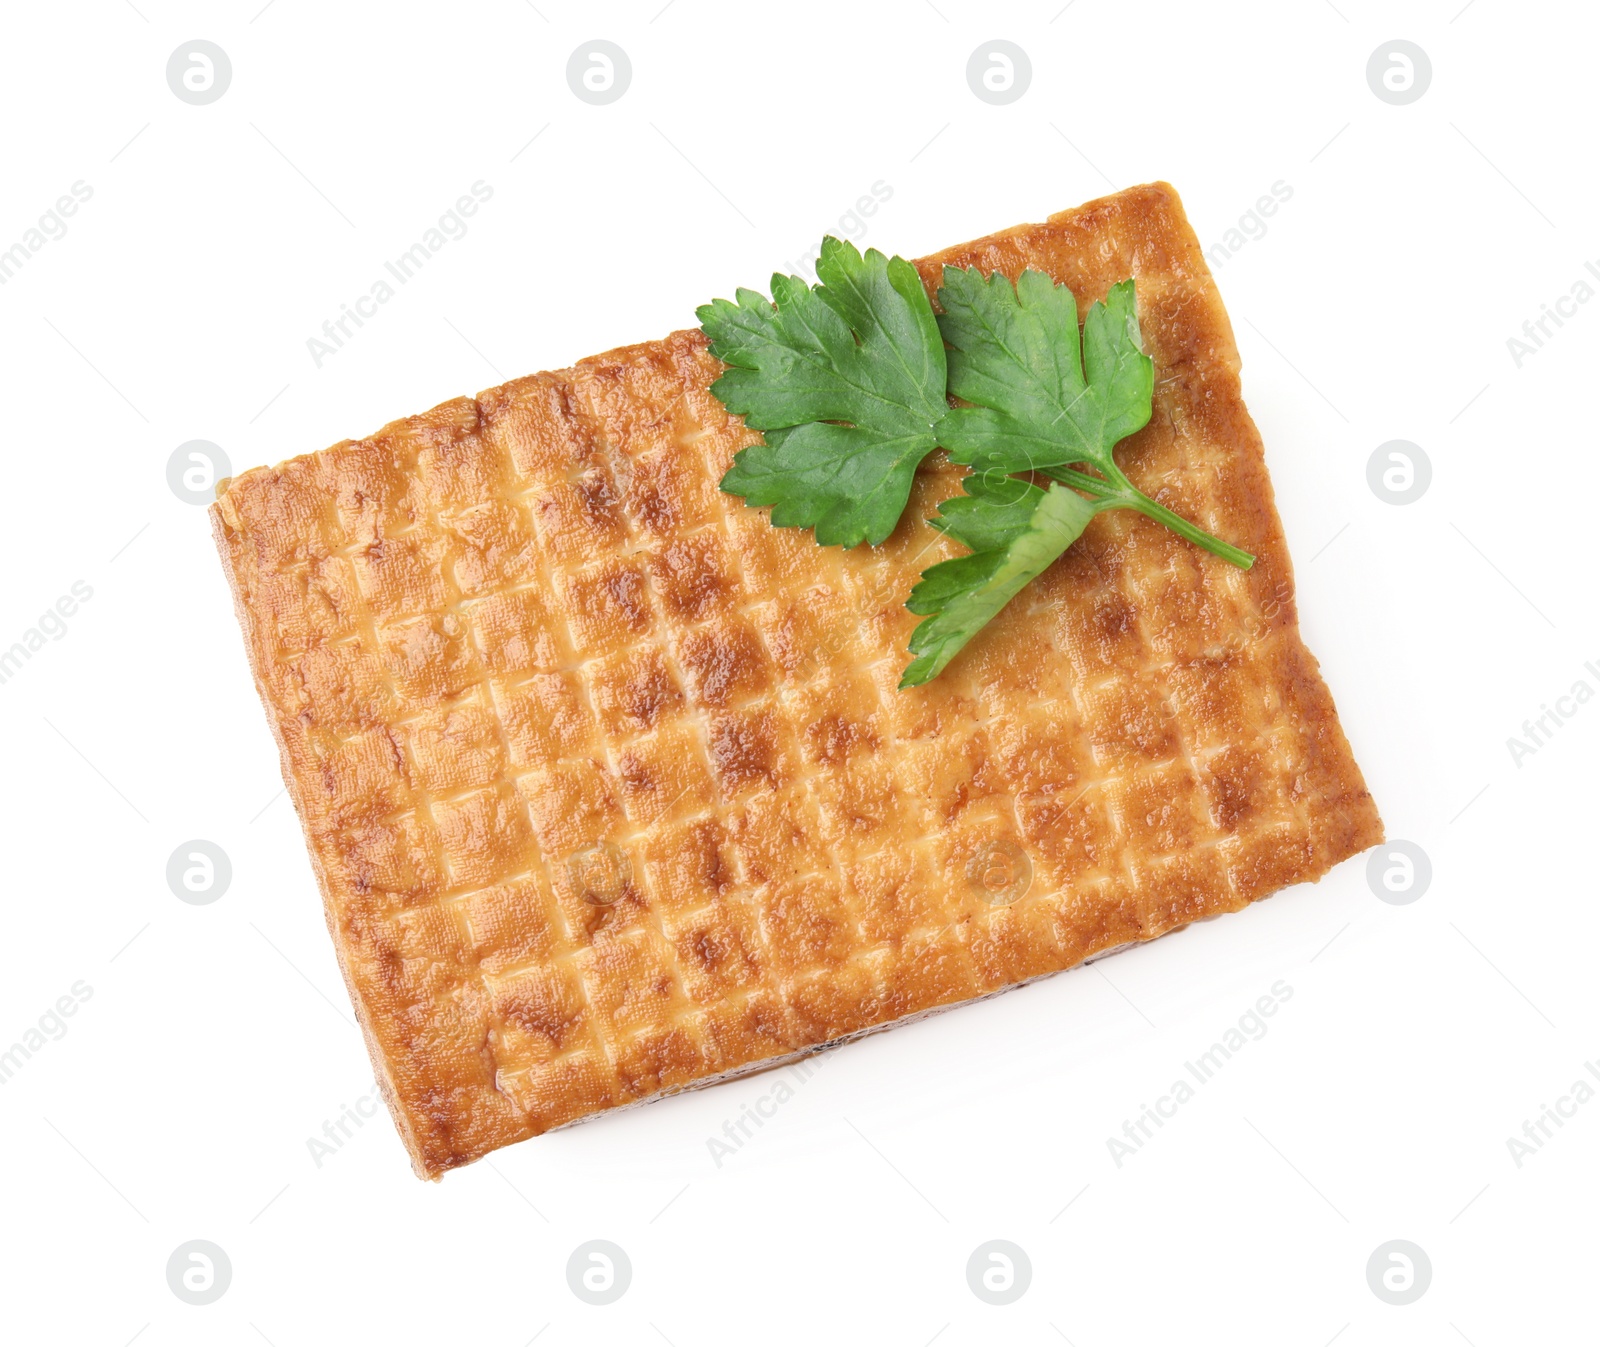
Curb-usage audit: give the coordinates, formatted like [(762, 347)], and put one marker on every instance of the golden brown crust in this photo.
[(606, 781)]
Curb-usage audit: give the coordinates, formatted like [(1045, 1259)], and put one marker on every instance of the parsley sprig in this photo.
[(850, 380)]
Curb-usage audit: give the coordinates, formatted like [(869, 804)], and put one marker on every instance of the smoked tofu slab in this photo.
[(606, 781)]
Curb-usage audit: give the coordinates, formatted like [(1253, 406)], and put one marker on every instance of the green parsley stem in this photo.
[(1195, 534), (1097, 487), (1120, 492)]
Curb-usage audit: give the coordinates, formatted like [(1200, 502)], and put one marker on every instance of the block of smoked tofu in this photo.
[(606, 781)]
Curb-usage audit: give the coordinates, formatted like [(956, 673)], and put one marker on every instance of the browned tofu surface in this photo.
[(607, 783)]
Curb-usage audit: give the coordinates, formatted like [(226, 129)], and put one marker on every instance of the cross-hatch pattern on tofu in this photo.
[(607, 782)]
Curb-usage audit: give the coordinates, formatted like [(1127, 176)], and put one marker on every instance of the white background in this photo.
[(180, 1101)]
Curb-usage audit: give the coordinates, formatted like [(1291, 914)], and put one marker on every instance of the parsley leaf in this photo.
[(1015, 354), (846, 381), (1015, 530), (1039, 398)]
